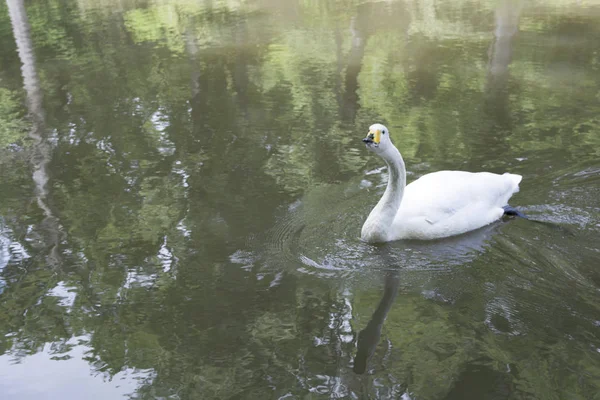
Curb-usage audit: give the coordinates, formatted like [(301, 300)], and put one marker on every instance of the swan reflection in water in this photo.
[(457, 250), (370, 335)]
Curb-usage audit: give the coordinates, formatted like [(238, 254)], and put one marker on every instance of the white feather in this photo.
[(439, 204), (448, 203)]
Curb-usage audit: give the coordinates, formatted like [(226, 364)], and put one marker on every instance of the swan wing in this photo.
[(447, 203)]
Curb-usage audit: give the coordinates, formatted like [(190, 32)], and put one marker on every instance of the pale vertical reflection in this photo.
[(41, 147), (20, 25), (497, 102), (360, 33), (191, 47), (500, 52)]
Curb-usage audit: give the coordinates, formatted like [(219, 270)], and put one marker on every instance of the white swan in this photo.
[(439, 204)]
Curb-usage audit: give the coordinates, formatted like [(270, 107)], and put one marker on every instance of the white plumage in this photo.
[(437, 205)]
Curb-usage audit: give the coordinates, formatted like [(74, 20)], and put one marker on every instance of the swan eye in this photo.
[(383, 131)]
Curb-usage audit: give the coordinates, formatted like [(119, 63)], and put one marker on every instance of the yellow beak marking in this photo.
[(375, 136)]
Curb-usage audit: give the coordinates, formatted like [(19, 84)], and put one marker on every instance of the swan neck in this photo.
[(378, 225), (397, 177)]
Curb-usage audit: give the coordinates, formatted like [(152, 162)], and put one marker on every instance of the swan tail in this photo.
[(509, 210), (515, 180)]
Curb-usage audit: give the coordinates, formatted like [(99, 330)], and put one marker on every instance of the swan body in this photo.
[(437, 205)]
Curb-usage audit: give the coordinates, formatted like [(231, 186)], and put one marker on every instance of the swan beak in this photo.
[(373, 136)]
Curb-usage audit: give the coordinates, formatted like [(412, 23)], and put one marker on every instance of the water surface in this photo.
[(183, 186)]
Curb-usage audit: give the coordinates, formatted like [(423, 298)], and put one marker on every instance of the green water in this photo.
[(183, 185)]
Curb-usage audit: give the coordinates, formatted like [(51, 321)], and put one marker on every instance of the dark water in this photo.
[(183, 186)]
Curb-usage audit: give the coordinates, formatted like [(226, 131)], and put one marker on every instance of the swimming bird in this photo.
[(438, 204)]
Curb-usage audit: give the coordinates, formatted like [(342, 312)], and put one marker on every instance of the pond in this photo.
[(183, 186)]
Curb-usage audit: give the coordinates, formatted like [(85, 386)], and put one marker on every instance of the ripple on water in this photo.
[(319, 235)]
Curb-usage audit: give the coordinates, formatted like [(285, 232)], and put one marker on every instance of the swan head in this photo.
[(378, 138)]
